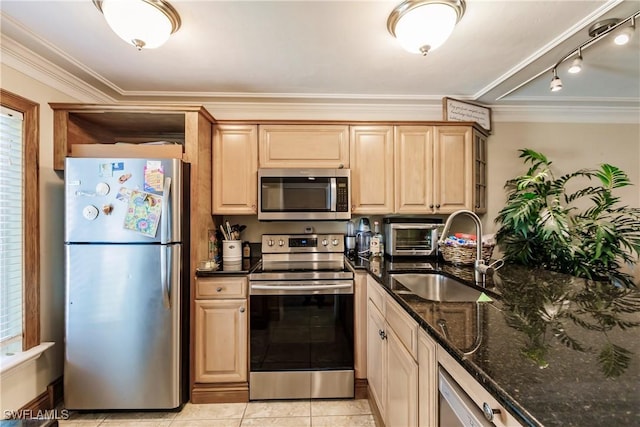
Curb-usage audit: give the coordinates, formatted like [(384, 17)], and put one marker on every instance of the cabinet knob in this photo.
[(241, 309), (431, 206), (489, 412), (219, 289), (383, 335), (438, 206)]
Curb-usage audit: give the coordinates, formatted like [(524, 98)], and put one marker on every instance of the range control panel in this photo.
[(302, 243)]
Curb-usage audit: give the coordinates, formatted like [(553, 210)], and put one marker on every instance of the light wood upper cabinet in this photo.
[(480, 172), (304, 146), (235, 169), (413, 156), (221, 330), (453, 168), (371, 169)]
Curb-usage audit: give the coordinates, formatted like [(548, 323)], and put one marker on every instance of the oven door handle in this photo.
[(297, 289)]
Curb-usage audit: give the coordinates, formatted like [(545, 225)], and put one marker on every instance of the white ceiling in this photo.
[(338, 52)]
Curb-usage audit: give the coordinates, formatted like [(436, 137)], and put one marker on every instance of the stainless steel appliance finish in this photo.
[(456, 408), (411, 236), (301, 328), (304, 194), (124, 296)]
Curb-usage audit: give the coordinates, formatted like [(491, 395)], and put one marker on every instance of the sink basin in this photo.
[(434, 287)]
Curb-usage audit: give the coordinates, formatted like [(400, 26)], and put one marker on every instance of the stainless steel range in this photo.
[(301, 324)]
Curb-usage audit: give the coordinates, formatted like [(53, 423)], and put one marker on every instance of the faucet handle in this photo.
[(495, 265)]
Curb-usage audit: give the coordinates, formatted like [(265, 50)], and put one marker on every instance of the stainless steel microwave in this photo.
[(304, 194), (411, 236)]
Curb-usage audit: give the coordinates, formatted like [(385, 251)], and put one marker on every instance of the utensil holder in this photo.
[(231, 251)]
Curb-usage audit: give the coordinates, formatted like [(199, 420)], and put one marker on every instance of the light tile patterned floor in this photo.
[(297, 413)]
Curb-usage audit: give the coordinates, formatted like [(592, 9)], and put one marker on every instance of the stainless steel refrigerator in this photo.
[(126, 302)]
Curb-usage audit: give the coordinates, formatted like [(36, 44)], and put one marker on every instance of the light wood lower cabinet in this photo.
[(427, 381), (392, 368), (220, 335)]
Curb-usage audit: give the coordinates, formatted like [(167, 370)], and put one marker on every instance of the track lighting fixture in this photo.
[(597, 31)]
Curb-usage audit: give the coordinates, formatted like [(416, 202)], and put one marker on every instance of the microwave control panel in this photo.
[(342, 196)]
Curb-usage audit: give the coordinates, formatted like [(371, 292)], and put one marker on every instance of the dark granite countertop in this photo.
[(543, 347), (244, 268)]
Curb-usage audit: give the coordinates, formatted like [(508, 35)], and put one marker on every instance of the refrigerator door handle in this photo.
[(164, 218), (164, 276)]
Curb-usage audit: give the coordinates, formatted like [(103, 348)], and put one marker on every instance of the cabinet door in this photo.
[(371, 169), (376, 357), (402, 384), (480, 172), (304, 146), (427, 381), (235, 169), (453, 167), (413, 154), (221, 353)]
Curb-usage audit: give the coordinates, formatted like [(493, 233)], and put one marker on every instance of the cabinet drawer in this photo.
[(376, 294), (228, 287), (403, 325)]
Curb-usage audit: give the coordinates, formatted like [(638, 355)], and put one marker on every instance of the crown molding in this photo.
[(17, 56), (230, 106)]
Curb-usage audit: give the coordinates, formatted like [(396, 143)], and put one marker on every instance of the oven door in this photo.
[(301, 339)]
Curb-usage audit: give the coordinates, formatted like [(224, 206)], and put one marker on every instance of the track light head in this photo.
[(556, 83), (624, 37), (576, 65)]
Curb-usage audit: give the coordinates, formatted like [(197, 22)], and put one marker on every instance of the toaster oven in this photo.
[(411, 236)]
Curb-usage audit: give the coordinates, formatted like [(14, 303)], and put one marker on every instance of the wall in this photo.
[(571, 147), (28, 381)]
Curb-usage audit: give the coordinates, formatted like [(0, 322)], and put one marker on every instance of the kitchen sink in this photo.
[(434, 287)]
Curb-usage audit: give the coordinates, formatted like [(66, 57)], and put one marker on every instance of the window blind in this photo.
[(11, 227)]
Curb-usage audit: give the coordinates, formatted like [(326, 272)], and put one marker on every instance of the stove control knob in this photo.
[(334, 242), (325, 242), (270, 242), (281, 243)]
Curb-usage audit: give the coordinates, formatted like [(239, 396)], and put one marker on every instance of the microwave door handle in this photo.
[(334, 195)]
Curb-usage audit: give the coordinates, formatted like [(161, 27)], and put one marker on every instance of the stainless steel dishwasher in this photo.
[(455, 407)]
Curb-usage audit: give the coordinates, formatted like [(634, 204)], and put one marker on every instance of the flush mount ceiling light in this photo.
[(423, 25), (143, 23), (597, 31)]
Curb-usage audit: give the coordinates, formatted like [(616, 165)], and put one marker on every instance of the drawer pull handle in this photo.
[(219, 289), (488, 412), (383, 335)]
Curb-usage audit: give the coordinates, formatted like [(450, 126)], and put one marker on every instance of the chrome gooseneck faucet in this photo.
[(480, 268)]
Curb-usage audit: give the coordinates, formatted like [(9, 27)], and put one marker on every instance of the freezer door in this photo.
[(123, 200), (122, 338)]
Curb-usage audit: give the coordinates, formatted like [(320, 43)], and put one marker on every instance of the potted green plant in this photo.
[(585, 233)]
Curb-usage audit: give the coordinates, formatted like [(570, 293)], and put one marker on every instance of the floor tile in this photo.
[(280, 409), (211, 411), (340, 407), (343, 421), (277, 422), (228, 422), (79, 423), (135, 423), (139, 416)]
